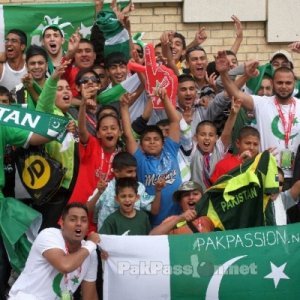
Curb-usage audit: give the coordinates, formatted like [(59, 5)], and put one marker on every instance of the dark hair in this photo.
[(22, 35), (180, 36), (126, 182), (163, 122), (115, 58), (82, 72), (34, 50), (5, 92), (123, 160), (206, 122), (280, 171), (87, 41), (229, 52), (152, 128), (157, 45), (105, 116), (284, 70), (248, 130), (192, 49), (185, 77), (104, 107), (66, 209)]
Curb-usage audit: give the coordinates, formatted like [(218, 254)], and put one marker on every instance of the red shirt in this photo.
[(225, 165), (94, 162)]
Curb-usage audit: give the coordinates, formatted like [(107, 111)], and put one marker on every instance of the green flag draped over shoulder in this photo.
[(259, 263), (254, 83), (241, 198), (116, 36), (19, 226), (32, 18)]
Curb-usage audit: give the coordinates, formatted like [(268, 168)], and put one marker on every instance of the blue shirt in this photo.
[(151, 168)]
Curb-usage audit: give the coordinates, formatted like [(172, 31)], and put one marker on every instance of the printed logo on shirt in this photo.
[(275, 130), (151, 179)]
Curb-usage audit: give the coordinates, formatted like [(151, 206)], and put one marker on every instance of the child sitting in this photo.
[(247, 143), (188, 195), (103, 203), (126, 220), (210, 149)]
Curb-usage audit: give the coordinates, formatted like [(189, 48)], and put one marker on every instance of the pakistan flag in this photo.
[(32, 18), (256, 263)]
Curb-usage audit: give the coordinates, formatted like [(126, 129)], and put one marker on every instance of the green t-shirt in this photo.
[(241, 199), (118, 224)]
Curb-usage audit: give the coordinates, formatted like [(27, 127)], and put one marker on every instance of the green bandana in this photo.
[(48, 125)]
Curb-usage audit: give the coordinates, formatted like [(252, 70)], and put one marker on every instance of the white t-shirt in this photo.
[(271, 128), (40, 280)]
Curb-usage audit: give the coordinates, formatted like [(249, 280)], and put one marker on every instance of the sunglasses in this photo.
[(85, 80)]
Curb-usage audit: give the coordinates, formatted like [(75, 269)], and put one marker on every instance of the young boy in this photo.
[(103, 203), (126, 220), (157, 156), (188, 195), (210, 149), (247, 143)]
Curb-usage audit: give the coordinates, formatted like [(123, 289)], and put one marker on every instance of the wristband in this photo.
[(90, 246)]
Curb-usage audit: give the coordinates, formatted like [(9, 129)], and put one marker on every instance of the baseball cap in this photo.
[(53, 26), (284, 53), (186, 187)]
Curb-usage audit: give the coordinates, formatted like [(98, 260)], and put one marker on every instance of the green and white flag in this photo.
[(114, 93), (255, 263), (116, 36), (48, 125), (32, 18)]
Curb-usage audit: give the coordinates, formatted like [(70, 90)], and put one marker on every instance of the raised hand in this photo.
[(73, 43), (189, 215), (160, 184), (238, 26), (251, 68), (295, 47), (60, 70), (159, 77), (222, 62), (27, 80), (200, 36), (235, 105)]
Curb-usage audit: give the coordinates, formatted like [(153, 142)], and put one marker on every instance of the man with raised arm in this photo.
[(277, 116)]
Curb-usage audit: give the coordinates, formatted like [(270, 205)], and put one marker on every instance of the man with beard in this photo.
[(14, 68), (277, 116), (53, 40)]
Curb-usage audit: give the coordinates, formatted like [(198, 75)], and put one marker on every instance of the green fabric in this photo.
[(239, 200), (47, 125), (15, 220), (118, 224), (254, 83), (66, 158), (46, 101), (259, 263), (111, 95)]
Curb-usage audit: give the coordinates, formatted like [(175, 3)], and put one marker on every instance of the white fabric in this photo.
[(10, 78), (124, 269), (280, 213), (265, 112), (38, 277)]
